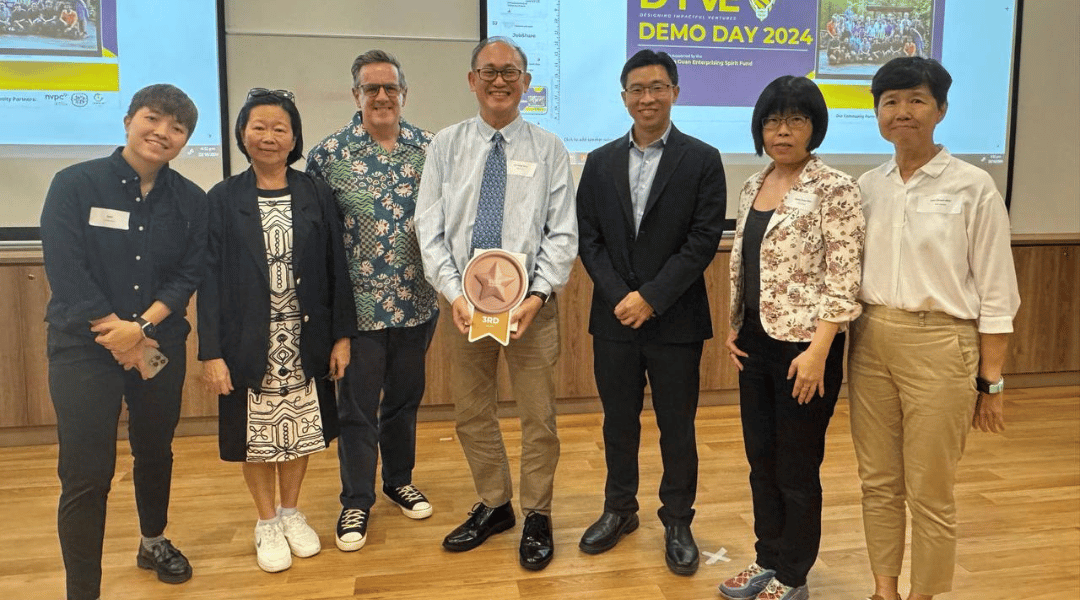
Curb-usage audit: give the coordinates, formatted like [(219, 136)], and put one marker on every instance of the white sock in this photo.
[(269, 521), (149, 543), (285, 512)]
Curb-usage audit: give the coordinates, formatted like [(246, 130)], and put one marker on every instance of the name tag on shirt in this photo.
[(520, 168), (941, 204), (804, 201), (107, 217)]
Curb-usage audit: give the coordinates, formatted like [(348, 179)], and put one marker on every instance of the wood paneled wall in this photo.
[(1046, 338)]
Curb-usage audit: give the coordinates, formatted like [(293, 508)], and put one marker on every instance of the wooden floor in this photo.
[(1019, 503)]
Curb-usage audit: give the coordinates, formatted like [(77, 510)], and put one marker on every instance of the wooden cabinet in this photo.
[(1046, 338)]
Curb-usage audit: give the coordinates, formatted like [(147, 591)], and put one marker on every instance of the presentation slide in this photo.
[(727, 51), (68, 69)]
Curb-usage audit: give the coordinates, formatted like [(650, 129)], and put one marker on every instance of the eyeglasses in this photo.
[(509, 74), (793, 122), (658, 90), (372, 89), (260, 92)]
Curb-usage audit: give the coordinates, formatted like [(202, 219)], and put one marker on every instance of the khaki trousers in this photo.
[(531, 361), (912, 386)]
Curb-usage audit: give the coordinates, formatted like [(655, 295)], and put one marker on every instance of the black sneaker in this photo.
[(412, 503), (351, 529), (171, 565)]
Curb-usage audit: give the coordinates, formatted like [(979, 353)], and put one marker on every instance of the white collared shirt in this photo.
[(939, 242), (643, 164)]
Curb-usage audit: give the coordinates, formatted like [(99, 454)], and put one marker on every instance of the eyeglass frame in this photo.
[(393, 90), (786, 121), (497, 73), (259, 92), (656, 90)]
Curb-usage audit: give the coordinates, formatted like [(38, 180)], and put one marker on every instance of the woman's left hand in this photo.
[(339, 358), (808, 369), (990, 413)]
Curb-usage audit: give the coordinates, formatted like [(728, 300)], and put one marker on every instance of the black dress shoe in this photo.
[(163, 557), (602, 535), (681, 551), (483, 522), (537, 546)]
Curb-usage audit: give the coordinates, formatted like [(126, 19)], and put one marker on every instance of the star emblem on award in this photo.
[(495, 283)]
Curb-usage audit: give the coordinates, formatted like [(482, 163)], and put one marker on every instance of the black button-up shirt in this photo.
[(108, 249)]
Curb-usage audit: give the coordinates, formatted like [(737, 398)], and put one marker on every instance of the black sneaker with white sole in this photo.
[(410, 500), (351, 529)]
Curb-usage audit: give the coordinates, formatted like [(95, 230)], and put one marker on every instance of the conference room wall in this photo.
[(308, 48)]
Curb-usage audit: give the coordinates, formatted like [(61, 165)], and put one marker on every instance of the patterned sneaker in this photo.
[(271, 549), (303, 541), (412, 503), (748, 583), (351, 529), (778, 591)]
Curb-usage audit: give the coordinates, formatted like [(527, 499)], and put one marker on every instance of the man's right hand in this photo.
[(462, 314)]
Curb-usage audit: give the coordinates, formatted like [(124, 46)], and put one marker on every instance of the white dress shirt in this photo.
[(939, 242), (539, 214)]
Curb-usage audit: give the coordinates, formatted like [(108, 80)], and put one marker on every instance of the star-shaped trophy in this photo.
[(495, 283)]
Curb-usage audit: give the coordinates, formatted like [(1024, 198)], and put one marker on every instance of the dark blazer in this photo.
[(234, 298), (679, 234)]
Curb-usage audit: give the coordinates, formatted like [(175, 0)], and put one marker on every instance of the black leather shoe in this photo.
[(602, 535), (537, 546), (681, 551), (483, 522), (163, 557)]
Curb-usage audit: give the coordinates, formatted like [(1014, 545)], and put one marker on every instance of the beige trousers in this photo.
[(912, 387), (531, 361)]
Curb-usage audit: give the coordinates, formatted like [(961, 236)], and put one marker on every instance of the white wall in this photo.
[(308, 47)]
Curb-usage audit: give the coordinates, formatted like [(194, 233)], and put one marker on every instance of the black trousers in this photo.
[(785, 444), (673, 371), (377, 403), (87, 387)]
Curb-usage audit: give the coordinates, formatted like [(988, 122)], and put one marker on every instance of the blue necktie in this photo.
[(487, 230)]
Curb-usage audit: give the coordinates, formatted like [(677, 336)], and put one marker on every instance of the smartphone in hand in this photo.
[(153, 362)]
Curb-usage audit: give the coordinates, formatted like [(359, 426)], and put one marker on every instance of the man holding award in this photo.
[(496, 224)]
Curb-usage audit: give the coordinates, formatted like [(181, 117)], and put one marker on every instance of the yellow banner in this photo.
[(66, 76)]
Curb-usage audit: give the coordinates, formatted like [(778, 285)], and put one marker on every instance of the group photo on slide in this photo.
[(56, 26), (858, 36)]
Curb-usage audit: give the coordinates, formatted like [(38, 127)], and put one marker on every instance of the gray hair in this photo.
[(376, 56), (498, 39)]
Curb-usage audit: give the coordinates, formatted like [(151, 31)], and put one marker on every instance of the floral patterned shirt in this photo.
[(811, 255), (376, 191)]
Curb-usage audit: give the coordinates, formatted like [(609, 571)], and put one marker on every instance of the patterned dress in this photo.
[(284, 421)]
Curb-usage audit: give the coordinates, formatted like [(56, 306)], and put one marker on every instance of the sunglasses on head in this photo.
[(260, 92)]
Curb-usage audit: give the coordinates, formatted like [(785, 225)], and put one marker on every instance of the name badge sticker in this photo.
[(520, 168), (804, 201), (107, 217), (942, 204)]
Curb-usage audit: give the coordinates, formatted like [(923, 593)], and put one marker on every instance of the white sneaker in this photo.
[(271, 548), (303, 541)]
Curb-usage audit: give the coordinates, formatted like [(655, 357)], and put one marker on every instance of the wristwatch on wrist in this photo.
[(985, 387), (541, 295), (148, 328)]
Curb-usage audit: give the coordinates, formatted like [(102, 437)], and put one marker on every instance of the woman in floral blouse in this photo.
[(795, 269)]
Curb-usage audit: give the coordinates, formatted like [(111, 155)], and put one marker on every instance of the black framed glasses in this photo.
[(509, 74), (372, 89), (658, 90), (793, 122), (260, 92)]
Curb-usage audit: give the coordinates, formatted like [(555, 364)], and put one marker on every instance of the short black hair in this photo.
[(647, 57), (294, 118), (908, 72), (166, 99), (376, 56), (498, 39), (791, 94)]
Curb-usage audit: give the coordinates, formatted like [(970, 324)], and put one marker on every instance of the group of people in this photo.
[(852, 38), (49, 18), (307, 278)]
